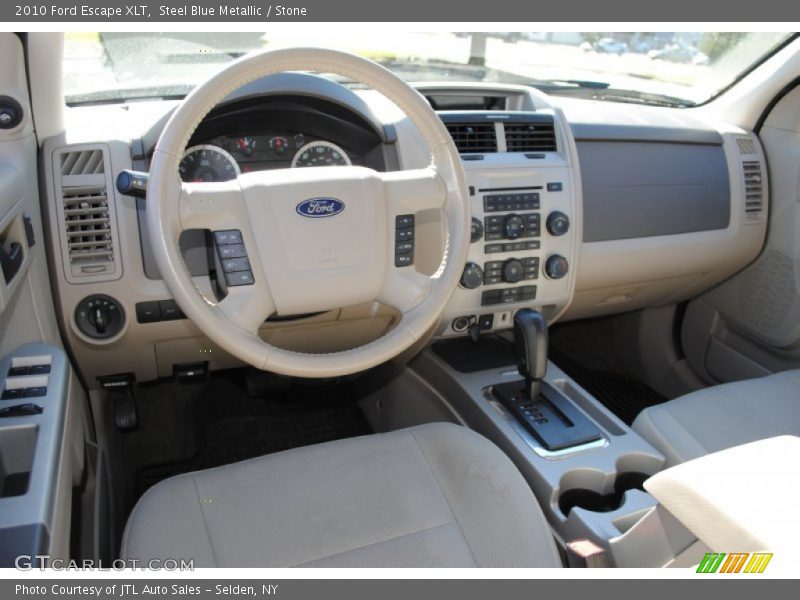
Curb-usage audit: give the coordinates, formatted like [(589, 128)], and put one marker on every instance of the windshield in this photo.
[(668, 69)]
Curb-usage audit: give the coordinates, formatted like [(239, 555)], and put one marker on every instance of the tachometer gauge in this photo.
[(208, 163), (320, 154)]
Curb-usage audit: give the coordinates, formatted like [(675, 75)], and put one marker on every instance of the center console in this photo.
[(585, 466)]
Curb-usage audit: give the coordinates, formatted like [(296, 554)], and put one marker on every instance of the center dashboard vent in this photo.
[(485, 132), (539, 136), (473, 137), (86, 213)]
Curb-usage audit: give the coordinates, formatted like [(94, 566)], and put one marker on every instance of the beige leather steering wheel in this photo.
[(302, 264)]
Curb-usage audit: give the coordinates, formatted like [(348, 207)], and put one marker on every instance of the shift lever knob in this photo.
[(530, 344)]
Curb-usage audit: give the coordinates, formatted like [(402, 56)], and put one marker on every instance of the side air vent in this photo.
[(531, 137), (753, 187), (87, 226), (87, 222), (473, 137)]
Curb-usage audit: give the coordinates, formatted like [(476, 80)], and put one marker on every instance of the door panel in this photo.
[(750, 325), (40, 511)]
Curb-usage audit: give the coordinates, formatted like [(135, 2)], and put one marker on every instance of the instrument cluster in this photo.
[(226, 157)]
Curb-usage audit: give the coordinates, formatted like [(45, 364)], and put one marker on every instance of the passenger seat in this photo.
[(723, 416)]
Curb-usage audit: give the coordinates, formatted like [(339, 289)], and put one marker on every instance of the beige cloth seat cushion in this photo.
[(436, 495), (723, 416)]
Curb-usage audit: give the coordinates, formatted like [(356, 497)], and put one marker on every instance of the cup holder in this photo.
[(597, 502)]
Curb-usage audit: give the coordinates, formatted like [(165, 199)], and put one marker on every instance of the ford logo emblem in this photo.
[(316, 208)]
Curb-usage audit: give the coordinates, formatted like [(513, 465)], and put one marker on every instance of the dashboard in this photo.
[(579, 209)]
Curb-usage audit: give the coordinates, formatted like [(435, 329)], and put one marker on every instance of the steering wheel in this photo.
[(301, 261)]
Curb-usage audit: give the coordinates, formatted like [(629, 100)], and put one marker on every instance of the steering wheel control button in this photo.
[(239, 278), (510, 202), (233, 258), (557, 223), (404, 235), (476, 230), (523, 293), (403, 260), (99, 317), (472, 277), (225, 238), (404, 221), (148, 312), (232, 251), (404, 241), (556, 266), (555, 186), (231, 265)]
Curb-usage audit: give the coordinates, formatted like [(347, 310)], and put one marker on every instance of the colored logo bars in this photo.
[(734, 562)]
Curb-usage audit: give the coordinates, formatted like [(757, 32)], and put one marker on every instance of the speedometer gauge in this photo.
[(208, 163), (320, 154)]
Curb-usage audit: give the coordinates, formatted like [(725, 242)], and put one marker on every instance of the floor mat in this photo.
[(625, 396), (228, 425)]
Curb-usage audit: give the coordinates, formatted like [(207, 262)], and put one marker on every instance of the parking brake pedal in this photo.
[(120, 388)]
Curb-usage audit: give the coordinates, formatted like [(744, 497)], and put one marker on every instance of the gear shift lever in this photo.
[(530, 345), (550, 417)]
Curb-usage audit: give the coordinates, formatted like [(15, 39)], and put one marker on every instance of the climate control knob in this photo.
[(472, 276), (556, 266), (513, 271), (513, 226), (557, 223)]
